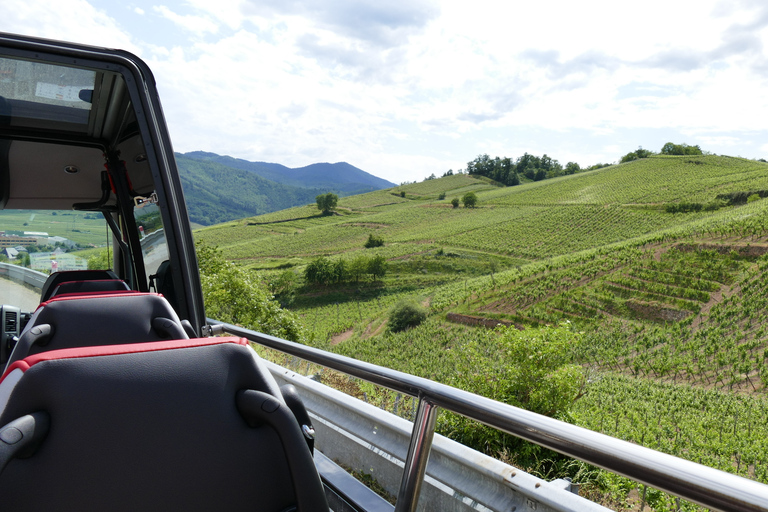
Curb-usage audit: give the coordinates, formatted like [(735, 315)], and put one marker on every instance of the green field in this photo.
[(672, 306), (84, 228)]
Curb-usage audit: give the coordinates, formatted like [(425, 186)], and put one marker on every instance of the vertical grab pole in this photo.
[(418, 455)]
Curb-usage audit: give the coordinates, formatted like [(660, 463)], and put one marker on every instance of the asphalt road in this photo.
[(15, 294)]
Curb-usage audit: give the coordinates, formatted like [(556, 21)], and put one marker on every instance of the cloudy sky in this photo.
[(404, 89)]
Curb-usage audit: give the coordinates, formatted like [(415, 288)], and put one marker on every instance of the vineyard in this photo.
[(671, 309)]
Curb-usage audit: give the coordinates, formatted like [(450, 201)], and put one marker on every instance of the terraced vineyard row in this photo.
[(718, 429), (674, 179)]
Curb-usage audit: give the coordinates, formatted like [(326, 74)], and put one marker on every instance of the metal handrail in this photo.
[(706, 486)]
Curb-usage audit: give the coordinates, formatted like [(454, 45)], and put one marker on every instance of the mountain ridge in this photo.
[(340, 176), (222, 188)]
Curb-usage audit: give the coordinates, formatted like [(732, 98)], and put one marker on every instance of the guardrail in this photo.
[(709, 487), (458, 479), (23, 275)]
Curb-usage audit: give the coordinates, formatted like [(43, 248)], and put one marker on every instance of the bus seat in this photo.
[(103, 319), (57, 278), (175, 425)]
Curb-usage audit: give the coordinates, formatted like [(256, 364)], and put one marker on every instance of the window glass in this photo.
[(35, 243), (154, 246), (46, 92)]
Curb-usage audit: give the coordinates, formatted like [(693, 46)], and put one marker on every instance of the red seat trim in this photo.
[(111, 350), (90, 295)]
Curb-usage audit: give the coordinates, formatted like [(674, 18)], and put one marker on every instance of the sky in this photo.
[(405, 89)]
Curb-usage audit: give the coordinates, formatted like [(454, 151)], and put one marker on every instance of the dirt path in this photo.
[(344, 336)]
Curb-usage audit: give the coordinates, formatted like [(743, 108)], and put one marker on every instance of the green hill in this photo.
[(220, 188), (521, 224), (673, 307)]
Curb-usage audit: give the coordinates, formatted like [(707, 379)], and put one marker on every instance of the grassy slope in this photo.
[(673, 301)]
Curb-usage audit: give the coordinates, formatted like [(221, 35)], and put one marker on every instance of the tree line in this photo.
[(670, 148), (511, 171), (528, 167), (325, 271)]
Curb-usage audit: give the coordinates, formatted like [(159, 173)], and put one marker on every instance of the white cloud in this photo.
[(400, 87), (68, 20), (191, 23)]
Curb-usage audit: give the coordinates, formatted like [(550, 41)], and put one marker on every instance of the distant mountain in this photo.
[(221, 188), (341, 177)]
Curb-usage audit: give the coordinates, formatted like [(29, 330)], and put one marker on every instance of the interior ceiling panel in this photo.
[(53, 175)]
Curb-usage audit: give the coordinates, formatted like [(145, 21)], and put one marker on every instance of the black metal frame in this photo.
[(140, 84)]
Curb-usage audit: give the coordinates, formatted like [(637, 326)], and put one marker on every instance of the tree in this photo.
[(572, 168), (327, 202), (469, 200), (358, 267), (237, 296), (319, 271), (100, 260), (680, 149), (377, 266)]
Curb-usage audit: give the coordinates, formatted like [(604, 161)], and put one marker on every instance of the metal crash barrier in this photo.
[(709, 487), (23, 275)]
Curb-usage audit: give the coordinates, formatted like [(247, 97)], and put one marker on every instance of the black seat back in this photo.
[(180, 425), (90, 320), (90, 286), (55, 279)]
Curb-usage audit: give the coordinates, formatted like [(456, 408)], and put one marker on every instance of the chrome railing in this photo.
[(709, 487)]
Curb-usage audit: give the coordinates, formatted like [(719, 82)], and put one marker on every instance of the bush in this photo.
[(406, 315), (530, 369), (469, 200), (683, 207), (373, 241), (441, 196), (455, 202), (753, 197)]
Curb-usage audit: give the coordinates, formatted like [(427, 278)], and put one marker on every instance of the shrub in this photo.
[(753, 197), (441, 196), (406, 315), (469, 200), (683, 207), (455, 202), (373, 241), (530, 369)]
